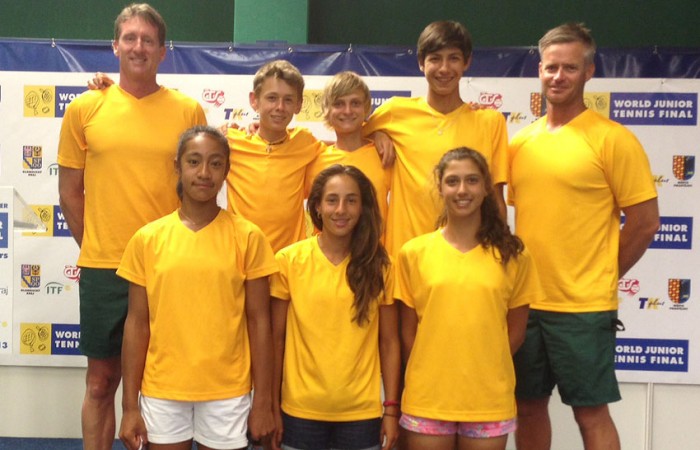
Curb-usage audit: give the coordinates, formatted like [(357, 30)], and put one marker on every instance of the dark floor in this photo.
[(46, 444)]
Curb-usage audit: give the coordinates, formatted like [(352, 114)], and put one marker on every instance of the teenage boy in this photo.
[(424, 128), (571, 173), (346, 102), (266, 181), (115, 158)]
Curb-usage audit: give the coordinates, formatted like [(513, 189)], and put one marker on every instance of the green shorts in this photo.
[(104, 299), (575, 352)]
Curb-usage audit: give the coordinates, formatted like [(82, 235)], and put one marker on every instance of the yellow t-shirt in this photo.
[(421, 136), (460, 368), (567, 187), (195, 281), (364, 158), (126, 147), (331, 364), (267, 187)]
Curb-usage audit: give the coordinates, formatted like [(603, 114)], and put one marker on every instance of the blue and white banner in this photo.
[(652, 92)]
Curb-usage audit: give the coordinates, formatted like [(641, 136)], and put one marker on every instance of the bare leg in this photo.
[(495, 443), (597, 428), (534, 427), (98, 417), (418, 441), (186, 445)]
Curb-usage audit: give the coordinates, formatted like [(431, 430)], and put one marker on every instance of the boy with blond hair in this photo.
[(345, 105), (266, 181)]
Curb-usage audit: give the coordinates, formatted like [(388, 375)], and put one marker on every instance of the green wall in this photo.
[(615, 23), (187, 20)]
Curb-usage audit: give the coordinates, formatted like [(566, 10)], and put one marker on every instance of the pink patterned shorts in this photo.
[(466, 429)]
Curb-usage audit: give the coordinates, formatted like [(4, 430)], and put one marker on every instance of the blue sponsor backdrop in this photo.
[(660, 355), (4, 238)]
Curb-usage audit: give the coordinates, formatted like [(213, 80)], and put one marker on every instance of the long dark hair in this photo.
[(493, 231), (368, 258)]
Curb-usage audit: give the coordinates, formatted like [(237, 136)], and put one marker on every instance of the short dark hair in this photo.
[(443, 34)]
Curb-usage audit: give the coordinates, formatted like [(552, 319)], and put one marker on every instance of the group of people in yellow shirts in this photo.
[(402, 310)]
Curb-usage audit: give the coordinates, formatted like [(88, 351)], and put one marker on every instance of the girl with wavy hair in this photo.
[(335, 325), (464, 291)]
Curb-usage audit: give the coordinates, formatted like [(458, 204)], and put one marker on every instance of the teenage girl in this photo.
[(198, 326), (464, 291), (335, 325)]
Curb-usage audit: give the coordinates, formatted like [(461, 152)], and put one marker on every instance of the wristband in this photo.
[(391, 403)]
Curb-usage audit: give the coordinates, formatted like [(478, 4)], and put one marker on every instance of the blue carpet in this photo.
[(47, 444)]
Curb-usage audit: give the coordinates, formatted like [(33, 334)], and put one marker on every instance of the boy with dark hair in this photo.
[(423, 128)]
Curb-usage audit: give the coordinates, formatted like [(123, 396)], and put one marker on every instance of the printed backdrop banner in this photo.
[(653, 92)]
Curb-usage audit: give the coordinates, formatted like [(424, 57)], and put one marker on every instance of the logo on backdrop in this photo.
[(214, 97), (49, 101), (32, 159), (683, 169), (674, 233), (660, 180), (679, 292), (235, 113), (597, 101), (635, 108), (30, 278), (53, 219), (656, 355), (53, 169), (4, 230), (49, 339), (311, 106), (629, 286), (54, 288), (491, 100), (652, 303), (645, 108), (72, 273)]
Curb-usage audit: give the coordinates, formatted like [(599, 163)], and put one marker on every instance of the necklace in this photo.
[(444, 122), (270, 144)]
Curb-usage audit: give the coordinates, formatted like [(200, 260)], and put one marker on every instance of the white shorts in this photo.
[(218, 424)]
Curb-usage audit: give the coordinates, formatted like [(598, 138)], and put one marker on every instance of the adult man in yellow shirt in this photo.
[(115, 156), (571, 173)]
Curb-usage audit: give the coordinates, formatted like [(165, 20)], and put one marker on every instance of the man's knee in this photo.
[(590, 417), (532, 407), (103, 377)]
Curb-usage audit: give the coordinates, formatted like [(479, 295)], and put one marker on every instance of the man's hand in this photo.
[(99, 81)]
